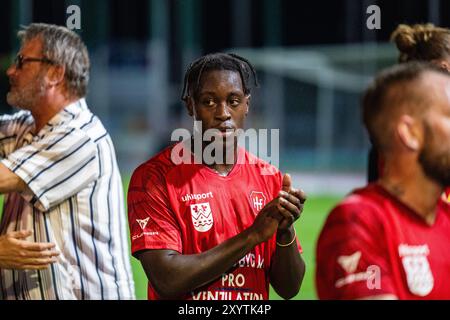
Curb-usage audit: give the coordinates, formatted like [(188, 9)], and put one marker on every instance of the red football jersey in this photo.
[(190, 208), (373, 244)]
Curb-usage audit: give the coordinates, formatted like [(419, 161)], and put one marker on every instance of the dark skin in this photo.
[(222, 104)]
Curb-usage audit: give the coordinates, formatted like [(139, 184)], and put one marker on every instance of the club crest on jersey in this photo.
[(258, 200), (142, 222), (417, 268), (202, 217)]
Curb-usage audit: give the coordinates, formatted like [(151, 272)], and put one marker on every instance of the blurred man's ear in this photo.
[(55, 75), (189, 103), (410, 132), (247, 103), (443, 64)]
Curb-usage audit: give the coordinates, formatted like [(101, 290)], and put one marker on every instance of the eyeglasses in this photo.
[(20, 60)]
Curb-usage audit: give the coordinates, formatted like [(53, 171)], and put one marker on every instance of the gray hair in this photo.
[(64, 48)]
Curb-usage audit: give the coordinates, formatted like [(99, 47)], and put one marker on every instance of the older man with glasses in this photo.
[(63, 230)]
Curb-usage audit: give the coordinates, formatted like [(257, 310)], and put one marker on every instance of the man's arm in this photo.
[(173, 275), (65, 158), (17, 253), (9, 181), (288, 268)]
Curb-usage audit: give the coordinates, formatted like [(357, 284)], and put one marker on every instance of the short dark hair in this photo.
[(380, 103), (218, 61)]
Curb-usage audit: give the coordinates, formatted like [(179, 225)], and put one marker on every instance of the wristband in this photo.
[(288, 244)]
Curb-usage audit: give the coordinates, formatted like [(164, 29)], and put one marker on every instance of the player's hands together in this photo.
[(280, 214), (17, 253), (266, 223), (291, 204)]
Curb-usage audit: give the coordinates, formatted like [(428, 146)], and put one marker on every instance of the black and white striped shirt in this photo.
[(75, 200)]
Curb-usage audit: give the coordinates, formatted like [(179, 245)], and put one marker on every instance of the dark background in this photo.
[(141, 48)]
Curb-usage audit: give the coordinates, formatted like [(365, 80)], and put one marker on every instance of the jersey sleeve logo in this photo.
[(350, 263), (202, 217), (258, 200), (418, 272), (142, 222)]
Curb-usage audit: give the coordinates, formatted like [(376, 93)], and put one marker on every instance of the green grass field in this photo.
[(308, 228)]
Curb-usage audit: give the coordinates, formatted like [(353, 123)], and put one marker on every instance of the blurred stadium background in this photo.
[(313, 59)]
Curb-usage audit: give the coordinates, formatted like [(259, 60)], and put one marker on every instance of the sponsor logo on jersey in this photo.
[(142, 222), (350, 263), (417, 268), (202, 217), (197, 196), (147, 233), (258, 200)]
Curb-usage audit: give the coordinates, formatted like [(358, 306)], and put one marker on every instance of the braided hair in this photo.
[(218, 61)]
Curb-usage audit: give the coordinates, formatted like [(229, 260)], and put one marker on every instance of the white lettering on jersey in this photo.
[(197, 196)]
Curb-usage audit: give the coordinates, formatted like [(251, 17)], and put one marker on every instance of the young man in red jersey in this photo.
[(390, 239), (223, 230)]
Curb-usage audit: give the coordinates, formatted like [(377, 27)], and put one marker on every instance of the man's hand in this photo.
[(288, 268), (292, 202), (280, 213), (16, 253), (266, 222)]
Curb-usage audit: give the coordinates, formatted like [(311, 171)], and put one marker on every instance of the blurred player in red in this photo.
[(222, 231), (390, 240), (419, 42)]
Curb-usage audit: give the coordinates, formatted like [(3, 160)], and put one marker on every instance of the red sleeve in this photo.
[(352, 258), (153, 224)]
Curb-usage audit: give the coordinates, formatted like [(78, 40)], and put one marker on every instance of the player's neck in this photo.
[(221, 162), (222, 170), (415, 190), (225, 166)]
